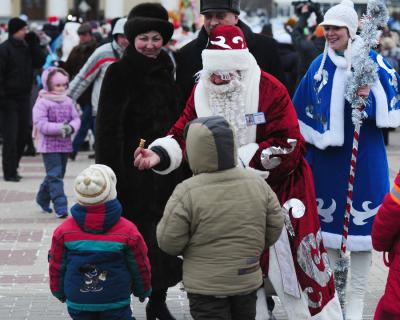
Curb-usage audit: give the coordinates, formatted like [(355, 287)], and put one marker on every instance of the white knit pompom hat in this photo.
[(95, 185), (341, 15)]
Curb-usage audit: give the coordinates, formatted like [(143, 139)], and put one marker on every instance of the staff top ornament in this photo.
[(364, 68)]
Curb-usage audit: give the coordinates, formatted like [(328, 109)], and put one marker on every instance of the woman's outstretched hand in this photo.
[(145, 158)]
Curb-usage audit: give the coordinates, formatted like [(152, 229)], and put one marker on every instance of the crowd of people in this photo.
[(213, 161)]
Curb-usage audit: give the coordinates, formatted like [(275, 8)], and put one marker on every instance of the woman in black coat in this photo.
[(138, 101)]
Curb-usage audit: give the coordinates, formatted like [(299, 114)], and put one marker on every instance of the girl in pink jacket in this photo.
[(55, 119)]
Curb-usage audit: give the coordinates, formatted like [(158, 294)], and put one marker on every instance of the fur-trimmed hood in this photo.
[(48, 74)]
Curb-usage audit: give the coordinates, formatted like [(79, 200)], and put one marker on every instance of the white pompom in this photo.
[(347, 3)]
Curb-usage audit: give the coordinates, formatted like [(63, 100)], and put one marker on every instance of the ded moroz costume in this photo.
[(259, 109)]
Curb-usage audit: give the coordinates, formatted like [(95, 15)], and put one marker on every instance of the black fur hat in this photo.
[(220, 5), (147, 17)]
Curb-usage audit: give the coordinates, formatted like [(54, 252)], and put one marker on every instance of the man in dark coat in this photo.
[(19, 56), (225, 12), (307, 42), (76, 60), (290, 60)]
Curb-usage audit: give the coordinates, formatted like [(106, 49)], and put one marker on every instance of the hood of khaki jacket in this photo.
[(210, 145)]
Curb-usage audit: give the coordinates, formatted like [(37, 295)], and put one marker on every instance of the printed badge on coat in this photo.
[(253, 119)]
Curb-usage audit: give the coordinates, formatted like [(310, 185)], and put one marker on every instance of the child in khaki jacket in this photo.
[(220, 220)]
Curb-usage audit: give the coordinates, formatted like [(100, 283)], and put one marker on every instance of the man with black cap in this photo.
[(19, 56), (223, 12)]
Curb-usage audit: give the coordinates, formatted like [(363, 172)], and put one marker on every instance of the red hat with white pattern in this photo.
[(226, 50)]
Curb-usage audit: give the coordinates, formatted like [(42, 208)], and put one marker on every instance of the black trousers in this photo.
[(15, 119), (241, 307)]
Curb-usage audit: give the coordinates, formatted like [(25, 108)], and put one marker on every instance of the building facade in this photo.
[(89, 9)]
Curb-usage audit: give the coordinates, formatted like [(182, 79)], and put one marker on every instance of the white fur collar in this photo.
[(340, 61), (335, 135)]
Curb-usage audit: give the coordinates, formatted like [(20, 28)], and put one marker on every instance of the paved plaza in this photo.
[(25, 236)]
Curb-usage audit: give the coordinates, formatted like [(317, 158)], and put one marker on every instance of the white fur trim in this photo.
[(201, 102), (332, 310), (247, 152), (339, 61), (335, 135), (251, 82), (384, 118), (354, 243), (261, 305), (226, 60), (283, 255), (174, 152)]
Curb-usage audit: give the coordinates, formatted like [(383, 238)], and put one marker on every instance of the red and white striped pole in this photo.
[(342, 264), (350, 187)]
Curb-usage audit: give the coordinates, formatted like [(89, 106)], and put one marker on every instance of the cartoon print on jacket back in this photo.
[(92, 278)]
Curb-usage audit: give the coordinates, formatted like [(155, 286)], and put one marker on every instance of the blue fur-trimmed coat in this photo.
[(325, 122)]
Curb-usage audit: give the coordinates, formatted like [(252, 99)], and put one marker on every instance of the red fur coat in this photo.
[(291, 180)]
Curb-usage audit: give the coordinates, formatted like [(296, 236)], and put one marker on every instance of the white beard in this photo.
[(227, 100)]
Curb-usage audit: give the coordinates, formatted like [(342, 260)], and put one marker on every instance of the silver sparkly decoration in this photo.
[(309, 262), (340, 276), (312, 304), (268, 156), (365, 69), (297, 208), (365, 73), (288, 223)]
